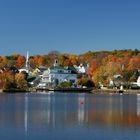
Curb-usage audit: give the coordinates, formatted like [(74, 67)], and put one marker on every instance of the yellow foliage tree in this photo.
[(21, 81)]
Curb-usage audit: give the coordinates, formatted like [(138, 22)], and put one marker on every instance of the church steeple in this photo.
[(27, 61), (27, 66)]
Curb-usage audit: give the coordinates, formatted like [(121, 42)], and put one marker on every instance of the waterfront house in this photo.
[(57, 74), (136, 84)]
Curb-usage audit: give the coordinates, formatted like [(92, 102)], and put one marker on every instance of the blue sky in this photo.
[(69, 26)]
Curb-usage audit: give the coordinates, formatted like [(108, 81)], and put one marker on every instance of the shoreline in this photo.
[(94, 91), (66, 89), (115, 91)]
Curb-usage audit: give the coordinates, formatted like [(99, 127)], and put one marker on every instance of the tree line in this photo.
[(103, 65)]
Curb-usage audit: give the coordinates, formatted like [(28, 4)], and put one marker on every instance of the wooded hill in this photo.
[(103, 65)]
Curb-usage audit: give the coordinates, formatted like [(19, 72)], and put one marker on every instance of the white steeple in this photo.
[(26, 68), (27, 60)]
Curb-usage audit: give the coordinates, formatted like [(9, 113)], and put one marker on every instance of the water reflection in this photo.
[(29, 112), (138, 104), (26, 114)]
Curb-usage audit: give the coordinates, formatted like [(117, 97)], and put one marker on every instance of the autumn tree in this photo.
[(41, 61), (106, 72), (93, 67), (85, 81), (3, 62), (21, 82), (8, 79), (13, 80), (134, 63), (20, 61)]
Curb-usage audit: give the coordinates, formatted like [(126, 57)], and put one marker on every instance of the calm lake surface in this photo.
[(69, 116)]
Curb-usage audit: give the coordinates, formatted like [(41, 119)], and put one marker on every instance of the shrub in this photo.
[(65, 84)]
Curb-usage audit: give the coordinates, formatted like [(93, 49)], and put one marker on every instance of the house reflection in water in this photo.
[(81, 108), (62, 110), (54, 111)]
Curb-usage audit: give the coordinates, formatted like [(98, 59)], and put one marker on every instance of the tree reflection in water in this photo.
[(38, 112)]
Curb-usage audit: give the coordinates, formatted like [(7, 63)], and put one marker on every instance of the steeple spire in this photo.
[(27, 61)]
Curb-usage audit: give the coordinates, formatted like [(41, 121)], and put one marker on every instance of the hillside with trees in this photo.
[(103, 65)]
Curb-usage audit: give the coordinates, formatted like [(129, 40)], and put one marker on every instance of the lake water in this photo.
[(69, 116)]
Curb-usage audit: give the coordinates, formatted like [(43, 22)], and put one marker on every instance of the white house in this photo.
[(57, 74), (136, 84), (138, 81), (81, 69)]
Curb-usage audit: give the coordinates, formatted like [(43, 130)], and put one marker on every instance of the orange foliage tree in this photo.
[(20, 61), (134, 63), (93, 67)]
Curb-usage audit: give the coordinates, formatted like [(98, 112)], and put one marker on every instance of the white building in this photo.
[(57, 74), (138, 81), (81, 69), (136, 84)]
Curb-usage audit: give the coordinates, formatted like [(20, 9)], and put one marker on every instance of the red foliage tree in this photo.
[(93, 67)]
